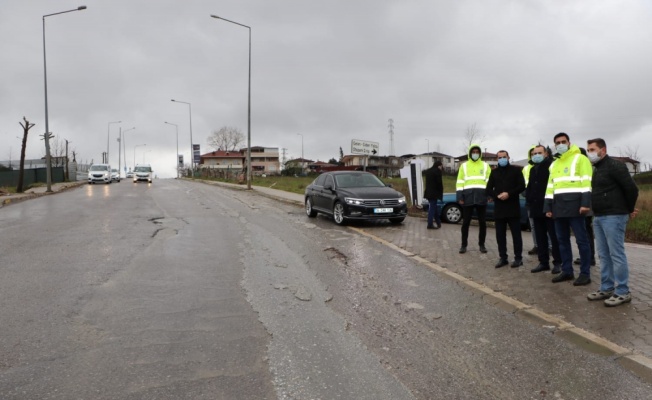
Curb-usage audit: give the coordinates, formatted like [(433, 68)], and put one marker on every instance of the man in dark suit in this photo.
[(505, 184)]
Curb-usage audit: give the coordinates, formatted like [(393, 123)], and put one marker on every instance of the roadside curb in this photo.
[(17, 198)]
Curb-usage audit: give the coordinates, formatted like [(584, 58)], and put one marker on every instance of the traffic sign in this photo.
[(364, 147)]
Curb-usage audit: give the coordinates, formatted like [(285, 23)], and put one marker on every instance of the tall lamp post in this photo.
[(138, 145), (176, 162), (428, 158), (302, 160), (108, 136), (192, 154), (121, 141), (46, 136), (248, 103)]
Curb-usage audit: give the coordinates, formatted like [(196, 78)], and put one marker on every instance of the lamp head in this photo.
[(81, 8)]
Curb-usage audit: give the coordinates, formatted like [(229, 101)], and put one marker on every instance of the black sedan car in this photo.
[(354, 195)]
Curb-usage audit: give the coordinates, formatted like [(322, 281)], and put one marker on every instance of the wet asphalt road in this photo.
[(179, 290)]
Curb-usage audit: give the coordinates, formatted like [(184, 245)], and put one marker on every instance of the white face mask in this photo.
[(593, 157), (561, 148), (475, 157)]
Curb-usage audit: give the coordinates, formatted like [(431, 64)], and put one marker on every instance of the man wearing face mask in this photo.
[(543, 227), (614, 195), (505, 184), (472, 194), (568, 200)]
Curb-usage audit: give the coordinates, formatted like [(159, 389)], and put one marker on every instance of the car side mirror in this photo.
[(328, 186), (389, 185)]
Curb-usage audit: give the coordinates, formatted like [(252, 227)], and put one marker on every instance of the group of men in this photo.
[(561, 189)]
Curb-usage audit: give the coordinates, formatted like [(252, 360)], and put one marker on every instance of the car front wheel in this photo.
[(309, 210), (338, 213), (452, 214)]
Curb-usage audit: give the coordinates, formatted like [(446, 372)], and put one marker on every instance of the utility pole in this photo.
[(391, 136), (119, 154), (67, 162)]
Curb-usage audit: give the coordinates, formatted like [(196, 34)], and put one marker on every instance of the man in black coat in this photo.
[(544, 227), (505, 184), (434, 191)]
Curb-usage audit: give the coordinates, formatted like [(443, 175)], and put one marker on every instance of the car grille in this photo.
[(381, 203)]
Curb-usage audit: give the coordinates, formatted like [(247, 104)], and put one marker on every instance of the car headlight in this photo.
[(401, 200), (356, 202)]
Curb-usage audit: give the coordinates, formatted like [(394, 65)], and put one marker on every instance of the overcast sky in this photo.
[(333, 71)]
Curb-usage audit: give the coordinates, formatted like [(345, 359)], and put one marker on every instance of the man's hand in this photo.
[(461, 202), (549, 214), (503, 196), (634, 213), (584, 210)]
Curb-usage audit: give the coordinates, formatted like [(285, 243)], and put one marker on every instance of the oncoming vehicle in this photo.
[(99, 173), (115, 175), (143, 172), (354, 195), (451, 210)]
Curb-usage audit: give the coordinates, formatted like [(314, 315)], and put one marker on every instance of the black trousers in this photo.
[(544, 227), (467, 214), (501, 237)]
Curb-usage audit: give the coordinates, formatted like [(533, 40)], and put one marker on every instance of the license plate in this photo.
[(383, 210)]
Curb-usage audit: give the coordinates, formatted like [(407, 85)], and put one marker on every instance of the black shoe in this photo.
[(430, 227), (556, 269), (582, 280), (563, 277), (540, 268), (462, 249), (438, 226), (517, 263), (483, 249), (533, 251), (577, 261), (501, 263)]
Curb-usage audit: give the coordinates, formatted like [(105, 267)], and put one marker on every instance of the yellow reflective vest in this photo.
[(569, 184), (472, 181)]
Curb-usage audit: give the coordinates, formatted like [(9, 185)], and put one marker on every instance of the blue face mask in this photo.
[(537, 158), (475, 157), (502, 162)]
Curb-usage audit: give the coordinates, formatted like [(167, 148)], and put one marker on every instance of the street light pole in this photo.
[(46, 136), (120, 141), (108, 136), (138, 145), (248, 103), (192, 154), (428, 158), (176, 162)]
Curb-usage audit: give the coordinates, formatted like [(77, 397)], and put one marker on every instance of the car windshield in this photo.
[(114, 170), (358, 180), (99, 168), (142, 169)]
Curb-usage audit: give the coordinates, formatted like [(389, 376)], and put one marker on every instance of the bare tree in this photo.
[(58, 151), (227, 139), (632, 153), (21, 172), (472, 136)]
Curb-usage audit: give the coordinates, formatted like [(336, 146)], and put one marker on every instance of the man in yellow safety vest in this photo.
[(568, 200), (471, 189)]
